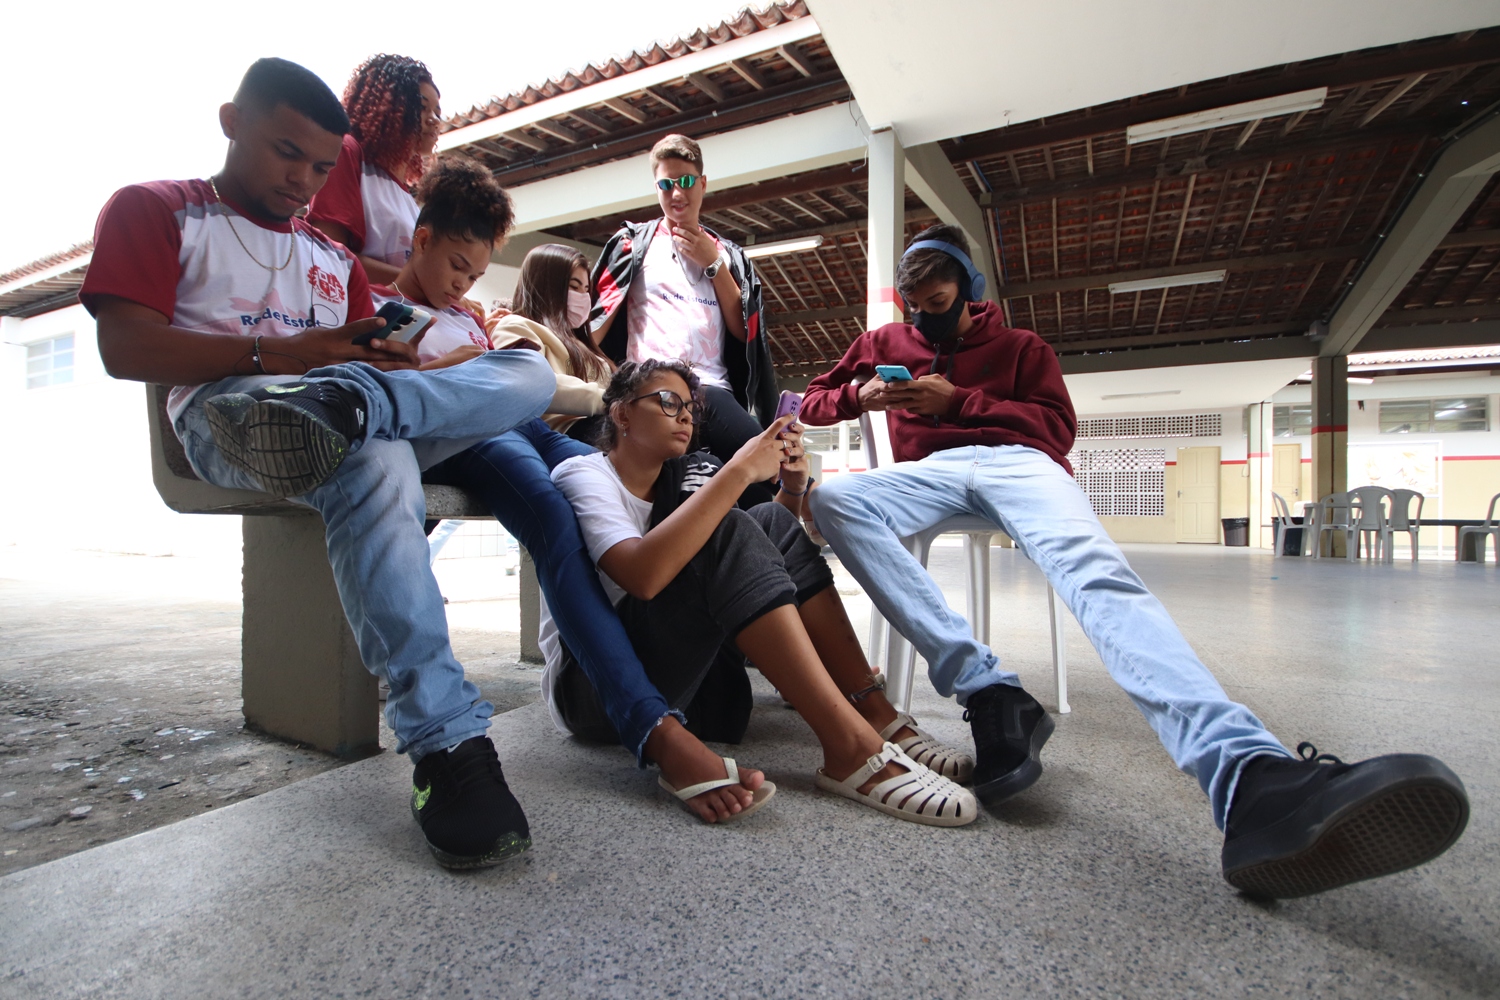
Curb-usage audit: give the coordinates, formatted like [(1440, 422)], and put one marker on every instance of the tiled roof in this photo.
[(748, 22), (47, 262)]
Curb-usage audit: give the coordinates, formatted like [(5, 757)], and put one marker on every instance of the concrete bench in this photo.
[(303, 678)]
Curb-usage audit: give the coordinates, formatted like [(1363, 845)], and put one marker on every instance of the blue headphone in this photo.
[(972, 290)]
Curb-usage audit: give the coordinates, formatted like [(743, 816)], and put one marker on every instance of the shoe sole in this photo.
[(283, 447), (508, 846), (1381, 821), (1024, 775)]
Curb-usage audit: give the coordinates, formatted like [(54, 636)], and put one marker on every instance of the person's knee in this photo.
[(528, 378), (774, 519)]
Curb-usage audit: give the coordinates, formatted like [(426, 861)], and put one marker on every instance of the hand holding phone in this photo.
[(789, 405), (403, 323), (893, 373)]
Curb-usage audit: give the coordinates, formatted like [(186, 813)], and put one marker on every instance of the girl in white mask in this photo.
[(551, 307)]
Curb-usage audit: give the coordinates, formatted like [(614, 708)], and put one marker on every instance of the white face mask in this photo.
[(579, 305)]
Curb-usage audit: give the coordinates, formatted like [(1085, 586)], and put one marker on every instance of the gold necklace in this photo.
[(236, 232)]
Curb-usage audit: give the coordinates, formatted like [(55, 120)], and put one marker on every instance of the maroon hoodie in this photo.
[(1009, 388)]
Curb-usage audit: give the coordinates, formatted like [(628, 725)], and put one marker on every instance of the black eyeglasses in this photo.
[(685, 181), (671, 404)]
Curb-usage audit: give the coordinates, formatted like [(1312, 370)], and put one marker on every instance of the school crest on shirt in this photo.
[(325, 284)]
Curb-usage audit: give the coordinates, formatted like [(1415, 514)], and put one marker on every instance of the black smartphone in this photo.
[(402, 324)]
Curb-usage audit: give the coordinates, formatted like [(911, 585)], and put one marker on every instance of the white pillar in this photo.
[(887, 233)]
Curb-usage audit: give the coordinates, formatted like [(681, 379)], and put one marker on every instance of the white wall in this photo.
[(76, 457)]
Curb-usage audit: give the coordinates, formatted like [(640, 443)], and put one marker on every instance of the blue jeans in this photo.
[(511, 474), (374, 512), (864, 517)]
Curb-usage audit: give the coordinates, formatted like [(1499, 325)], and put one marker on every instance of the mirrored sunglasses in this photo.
[(685, 181)]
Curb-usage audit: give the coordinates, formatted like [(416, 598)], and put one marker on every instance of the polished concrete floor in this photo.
[(1102, 880)]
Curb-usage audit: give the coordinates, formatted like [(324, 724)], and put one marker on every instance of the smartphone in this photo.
[(790, 404), (402, 324), (893, 373)]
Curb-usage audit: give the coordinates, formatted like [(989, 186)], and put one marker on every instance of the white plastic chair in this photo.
[(1334, 514), (1402, 519), (899, 655), (1484, 532), (1370, 522), (1281, 523)]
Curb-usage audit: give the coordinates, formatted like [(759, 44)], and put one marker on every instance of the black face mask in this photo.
[(938, 327)]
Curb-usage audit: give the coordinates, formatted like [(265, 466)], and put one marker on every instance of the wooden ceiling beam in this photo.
[(1345, 72), (625, 109), (1232, 264), (712, 90)]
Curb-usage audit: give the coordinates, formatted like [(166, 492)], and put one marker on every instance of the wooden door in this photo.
[(1198, 495), (1286, 473)]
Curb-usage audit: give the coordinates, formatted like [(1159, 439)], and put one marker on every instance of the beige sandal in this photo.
[(921, 795), (924, 748), (762, 795)]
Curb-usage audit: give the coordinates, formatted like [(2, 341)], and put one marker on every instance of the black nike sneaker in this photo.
[(291, 437), (1303, 825), (465, 809), (1010, 729)]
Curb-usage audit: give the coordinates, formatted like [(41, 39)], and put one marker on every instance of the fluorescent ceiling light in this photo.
[(784, 246), (1233, 114), (1140, 395), (1171, 281)]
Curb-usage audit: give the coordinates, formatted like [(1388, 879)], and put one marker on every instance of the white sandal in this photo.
[(762, 795), (924, 748), (921, 795)]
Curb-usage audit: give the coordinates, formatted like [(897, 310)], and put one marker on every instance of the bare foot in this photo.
[(842, 765), (684, 761), (879, 713)]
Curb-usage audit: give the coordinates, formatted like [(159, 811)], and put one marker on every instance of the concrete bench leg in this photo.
[(531, 611), (303, 678)]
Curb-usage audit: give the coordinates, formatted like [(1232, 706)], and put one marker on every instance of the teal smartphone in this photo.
[(893, 373)]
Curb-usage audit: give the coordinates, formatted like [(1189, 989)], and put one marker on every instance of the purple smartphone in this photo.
[(790, 404)]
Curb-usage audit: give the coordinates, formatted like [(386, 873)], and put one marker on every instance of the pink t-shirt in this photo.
[(673, 313)]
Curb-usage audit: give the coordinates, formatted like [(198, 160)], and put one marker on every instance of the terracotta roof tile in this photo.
[(748, 22), (51, 260)]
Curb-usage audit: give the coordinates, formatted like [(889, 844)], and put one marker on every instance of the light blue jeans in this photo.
[(864, 516), (374, 511)]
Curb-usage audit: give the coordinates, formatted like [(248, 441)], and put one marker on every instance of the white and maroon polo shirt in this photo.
[(451, 328), (174, 247), (379, 212)]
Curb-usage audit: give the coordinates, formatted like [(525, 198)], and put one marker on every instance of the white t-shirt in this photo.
[(176, 247), (390, 216), (451, 328), (608, 514), (673, 313)]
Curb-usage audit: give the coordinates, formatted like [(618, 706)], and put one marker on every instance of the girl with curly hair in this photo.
[(367, 202)]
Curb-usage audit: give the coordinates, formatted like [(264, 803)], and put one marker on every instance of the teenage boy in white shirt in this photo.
[(689, 294), (214, 286)]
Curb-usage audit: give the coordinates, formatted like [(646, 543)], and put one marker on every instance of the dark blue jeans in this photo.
[(511, 473)]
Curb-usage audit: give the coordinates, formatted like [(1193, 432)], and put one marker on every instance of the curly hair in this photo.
[(626, 385), (460, 198), (384, 102), (542, 297)]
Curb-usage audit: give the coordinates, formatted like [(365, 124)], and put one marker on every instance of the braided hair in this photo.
[(384, 102)]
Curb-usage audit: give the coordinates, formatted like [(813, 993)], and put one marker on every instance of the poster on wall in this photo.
[(1414, 465)]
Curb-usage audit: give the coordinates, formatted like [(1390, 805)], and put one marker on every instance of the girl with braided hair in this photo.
[(367, 203)]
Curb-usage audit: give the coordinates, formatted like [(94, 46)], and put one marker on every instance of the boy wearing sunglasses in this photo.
[(688, 294)]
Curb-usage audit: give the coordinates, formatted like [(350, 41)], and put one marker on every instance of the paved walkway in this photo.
[(1102, 880)]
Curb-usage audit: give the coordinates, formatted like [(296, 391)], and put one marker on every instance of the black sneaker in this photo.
[(290, 437), (1300, 826), (1009, 731), (466, 811)]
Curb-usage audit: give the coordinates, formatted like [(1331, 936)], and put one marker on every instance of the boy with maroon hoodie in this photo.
[(984, 428)]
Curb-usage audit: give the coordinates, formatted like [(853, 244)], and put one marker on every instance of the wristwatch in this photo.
[(712, 270)]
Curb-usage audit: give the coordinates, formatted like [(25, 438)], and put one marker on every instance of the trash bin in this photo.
[(1236, 531)]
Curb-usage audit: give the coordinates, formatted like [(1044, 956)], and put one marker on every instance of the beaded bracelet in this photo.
[(782, 486)]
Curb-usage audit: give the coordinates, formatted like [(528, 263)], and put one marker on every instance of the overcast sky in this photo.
[(98, 95)]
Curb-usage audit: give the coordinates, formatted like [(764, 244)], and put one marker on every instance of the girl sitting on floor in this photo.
[(688, 570)]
